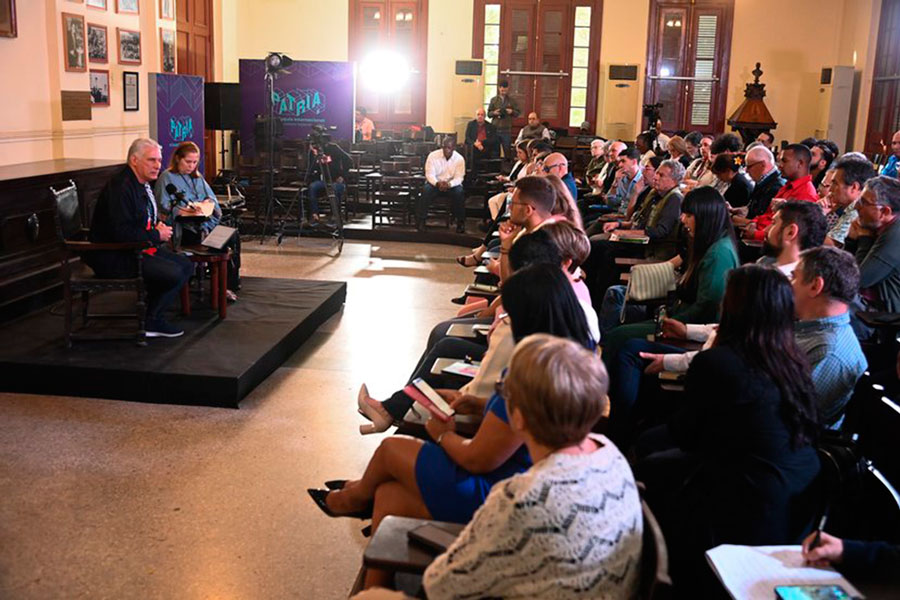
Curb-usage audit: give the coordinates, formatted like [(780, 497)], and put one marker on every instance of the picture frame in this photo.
[(167, 54), (98, 4), (131, 97), (97, 43), (128, 7), (8, 26), (74, 44), (129, 43), (99, 87), (167, 9)]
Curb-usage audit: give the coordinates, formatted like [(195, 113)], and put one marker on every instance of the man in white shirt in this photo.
[(445, 170)]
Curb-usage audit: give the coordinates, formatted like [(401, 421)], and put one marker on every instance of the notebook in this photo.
[(752, 572)]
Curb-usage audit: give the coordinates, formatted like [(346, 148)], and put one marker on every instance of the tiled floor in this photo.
[(107, 499)]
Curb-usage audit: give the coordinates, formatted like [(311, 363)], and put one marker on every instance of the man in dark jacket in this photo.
[(481, 137), (760, 166), (126, 212), (338, 163)]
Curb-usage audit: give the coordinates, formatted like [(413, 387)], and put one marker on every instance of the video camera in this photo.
[(319, 136), (651, 111)]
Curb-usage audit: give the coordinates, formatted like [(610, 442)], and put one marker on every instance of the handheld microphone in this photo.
[(179, 196)]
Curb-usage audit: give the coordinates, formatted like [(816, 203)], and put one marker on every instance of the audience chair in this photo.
[(79, 279), (656, 584)]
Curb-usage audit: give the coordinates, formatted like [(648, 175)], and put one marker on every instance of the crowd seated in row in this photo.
[(767, 356)]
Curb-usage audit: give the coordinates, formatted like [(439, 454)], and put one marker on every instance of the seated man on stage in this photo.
[(445, 170), (481, 136), (126, 212)]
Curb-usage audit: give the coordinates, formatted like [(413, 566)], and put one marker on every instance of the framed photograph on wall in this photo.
[(8, 19), (167, 9), (129, 46), (73, 42), (131, 90), (97, 43), (101, 4), (167, 50), (127, 7), (99, 87)]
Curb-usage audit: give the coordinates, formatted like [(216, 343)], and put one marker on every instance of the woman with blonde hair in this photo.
[(565, 207)]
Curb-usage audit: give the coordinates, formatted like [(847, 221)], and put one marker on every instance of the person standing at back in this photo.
[(502, 109)]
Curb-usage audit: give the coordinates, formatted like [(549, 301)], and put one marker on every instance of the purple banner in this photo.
[(312, 93), (176, 112)]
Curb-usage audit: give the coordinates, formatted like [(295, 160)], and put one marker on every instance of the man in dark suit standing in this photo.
[(126, 212), (481, 137)]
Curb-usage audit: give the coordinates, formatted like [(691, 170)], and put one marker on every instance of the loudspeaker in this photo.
[(223, 106)]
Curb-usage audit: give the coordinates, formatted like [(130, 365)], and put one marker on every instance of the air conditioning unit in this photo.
[(467, 93), (833, 105), (620, 102)]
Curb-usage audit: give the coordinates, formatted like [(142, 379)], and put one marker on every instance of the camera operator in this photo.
[(325, 155)]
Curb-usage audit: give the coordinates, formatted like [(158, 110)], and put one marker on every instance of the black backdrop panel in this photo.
[(223, 106)]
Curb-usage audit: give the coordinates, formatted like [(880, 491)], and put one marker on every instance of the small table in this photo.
[(218, 267), (391, 550)]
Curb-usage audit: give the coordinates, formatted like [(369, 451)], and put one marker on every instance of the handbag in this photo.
[(651, 281)]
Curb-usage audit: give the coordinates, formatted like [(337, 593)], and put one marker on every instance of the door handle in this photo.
[(680, 78), (559, 74)]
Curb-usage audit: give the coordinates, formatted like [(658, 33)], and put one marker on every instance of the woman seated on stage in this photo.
[(554, 391), (559, 243), (192, 205), (712, 253), (448, 479)]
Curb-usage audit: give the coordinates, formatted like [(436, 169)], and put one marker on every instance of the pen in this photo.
[(817, 541)]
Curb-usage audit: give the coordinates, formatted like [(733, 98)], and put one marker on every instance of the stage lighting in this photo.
[(278, 62), (384, 71)]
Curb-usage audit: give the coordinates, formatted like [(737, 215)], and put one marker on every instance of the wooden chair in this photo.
[(79, 279)]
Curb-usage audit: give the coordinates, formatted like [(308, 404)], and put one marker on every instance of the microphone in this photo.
[(179, 196)]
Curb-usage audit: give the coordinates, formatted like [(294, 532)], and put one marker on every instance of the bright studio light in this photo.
[(384, 71)]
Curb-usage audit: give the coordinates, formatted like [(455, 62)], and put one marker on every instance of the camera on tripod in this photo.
[(652, 112), (319, 137)]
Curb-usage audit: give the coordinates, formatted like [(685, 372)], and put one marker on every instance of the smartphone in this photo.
[(811, 592), (432, 537), (660, 317)]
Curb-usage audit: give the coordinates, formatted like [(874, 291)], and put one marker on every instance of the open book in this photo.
[(430, 400), (752, 572)]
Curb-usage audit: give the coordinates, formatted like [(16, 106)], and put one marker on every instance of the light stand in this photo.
[(276, 63)]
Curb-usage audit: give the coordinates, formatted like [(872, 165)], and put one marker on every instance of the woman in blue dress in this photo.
[(449, 478)]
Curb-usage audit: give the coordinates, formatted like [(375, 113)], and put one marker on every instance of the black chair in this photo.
[(79, 279), (656, 584)]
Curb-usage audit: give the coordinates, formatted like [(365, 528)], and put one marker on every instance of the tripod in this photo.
[(322, 158)]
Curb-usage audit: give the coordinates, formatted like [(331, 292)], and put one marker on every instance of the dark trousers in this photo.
[(165, 273), (457, 202), (191, 238), (317, 188), (399, 403)]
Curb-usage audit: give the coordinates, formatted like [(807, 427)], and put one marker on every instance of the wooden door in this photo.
[(688, 52), (195, 57), (884, 105)]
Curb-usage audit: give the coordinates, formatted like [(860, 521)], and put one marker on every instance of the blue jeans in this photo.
[(505, 138), (317, 188), (457, 202)]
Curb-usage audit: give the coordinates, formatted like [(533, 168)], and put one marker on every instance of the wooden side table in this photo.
[(218, 268)]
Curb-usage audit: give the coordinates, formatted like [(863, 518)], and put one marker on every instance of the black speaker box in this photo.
[(223, 106)]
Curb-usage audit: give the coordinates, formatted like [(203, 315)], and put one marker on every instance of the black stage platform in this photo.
[(215, 363)]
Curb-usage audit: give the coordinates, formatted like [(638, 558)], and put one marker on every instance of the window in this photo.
[(688, 51), (884, 112), (546, 51)]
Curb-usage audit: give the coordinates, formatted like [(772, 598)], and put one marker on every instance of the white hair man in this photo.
[(126, 211)]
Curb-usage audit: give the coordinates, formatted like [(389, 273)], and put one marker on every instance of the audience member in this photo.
[(565, 206), (598, 160), (865, 560), (850, 177), (890, 169), (126, 211), (607, 176), (712, 253), (338, 163), (728, 169), (741, 443), (760, 166), (481, 136), (677, 149), (693, 141), (874, 238), (766, 139), (795, 167), (364, 126), (699, 172), (797, 226), (644, 145), (534, 130), (445, 170), (532, 204), (557, 164), (627, 176), (502, 109), (820, 163), (554, 391)]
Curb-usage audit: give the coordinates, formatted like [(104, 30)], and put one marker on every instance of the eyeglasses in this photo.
[(547, 168), (749, 166)]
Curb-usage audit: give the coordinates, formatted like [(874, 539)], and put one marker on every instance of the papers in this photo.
[(218, 237), (461, 330), (629, 239), (462, 368), (752, 572)]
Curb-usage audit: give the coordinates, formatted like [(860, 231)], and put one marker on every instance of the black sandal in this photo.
[(319, 496), (463, 261)]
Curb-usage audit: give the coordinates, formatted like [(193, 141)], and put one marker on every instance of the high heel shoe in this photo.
[(372, 410), (318, 496)]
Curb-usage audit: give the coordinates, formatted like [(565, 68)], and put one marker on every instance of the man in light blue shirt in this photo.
[(629, 174), (825, 283), (890, 169)]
